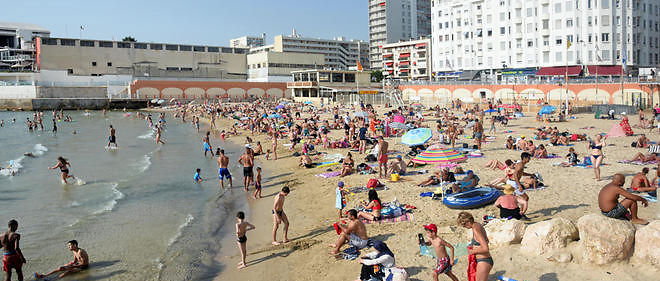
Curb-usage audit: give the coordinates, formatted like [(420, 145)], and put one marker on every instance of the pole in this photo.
[(566, 82), (621, 78), (597, 80)]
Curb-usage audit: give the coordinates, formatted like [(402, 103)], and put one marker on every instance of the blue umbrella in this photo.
[(308, 102), (548, 109), (279, 106), (417, 136), (272, 116), (490, 111)]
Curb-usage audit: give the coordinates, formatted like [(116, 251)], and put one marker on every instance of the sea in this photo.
[(135, 209)]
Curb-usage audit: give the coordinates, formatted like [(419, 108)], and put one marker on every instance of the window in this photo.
[(618, 20), (605, 54), (558, 7), (546, 24), (490, 32), (49, 41), (530, 43), (546, 41), (106, 44), (589, 36), (156, 46), (67, 42), (124, 45), (69, 71), (546, 57), (558, 41), (185, 48), (213, 49), (337, 77), (569, 38), (605, 20), (558, 56), (569, 23), (530, 12), (558, 24), (569, 6), (140, 45), (502, 45), (589, 21), (172, 47), (502, 30), (518, 13), (199, 48), (109, 64), (93, 63), (86, 43), (605, 4), (589, 4), (227, 50), (502, 16), (605, 37), (349, 77)]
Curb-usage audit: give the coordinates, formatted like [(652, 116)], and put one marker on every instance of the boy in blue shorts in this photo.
[(197, 178)]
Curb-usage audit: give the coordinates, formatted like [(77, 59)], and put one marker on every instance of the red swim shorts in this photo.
[(382, 159), (11, 261)]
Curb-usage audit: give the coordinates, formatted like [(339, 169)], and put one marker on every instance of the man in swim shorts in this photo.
[(514, 181), (223, 171), (248, 162), (382, 157), (80, 262), (355, 233), (608, 201), (242, 227), (112, 138), (207, 144), (279, 216), (12, 256)]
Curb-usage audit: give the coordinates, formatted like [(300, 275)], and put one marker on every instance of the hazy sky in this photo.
[(193, 21)]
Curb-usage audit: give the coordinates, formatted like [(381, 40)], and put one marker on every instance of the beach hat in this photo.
[(522, 137), (248, 146), (508, 189), (431, 227), (340, 184), (470, 172), (398, 157), (623, 113)]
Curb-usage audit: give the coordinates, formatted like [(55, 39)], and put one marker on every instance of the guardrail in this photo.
[(601, 80)]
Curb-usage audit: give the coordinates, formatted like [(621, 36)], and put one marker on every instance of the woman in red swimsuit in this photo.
[(374, 205)]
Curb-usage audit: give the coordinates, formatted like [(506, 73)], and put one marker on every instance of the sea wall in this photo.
[(70, 104), (91, 92)]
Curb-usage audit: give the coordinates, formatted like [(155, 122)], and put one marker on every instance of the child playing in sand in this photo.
[(257, 184), (444, 262), (340, 201), (242, 227), (197, 178), (572, 158)]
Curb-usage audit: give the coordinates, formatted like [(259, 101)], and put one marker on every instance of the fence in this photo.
[(379, 99)]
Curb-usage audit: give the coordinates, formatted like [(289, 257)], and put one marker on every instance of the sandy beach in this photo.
[(570, 193)]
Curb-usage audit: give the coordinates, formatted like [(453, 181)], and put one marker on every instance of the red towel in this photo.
[(472, 268)]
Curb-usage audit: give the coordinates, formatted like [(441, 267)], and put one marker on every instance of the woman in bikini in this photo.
[(508, 173), (597, 156), (374, 205), (479, 245), (347, 165), (64, 165)]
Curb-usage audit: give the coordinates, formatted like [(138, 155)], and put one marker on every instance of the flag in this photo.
[(359, 66), (82, 28), (568, 44), (624, 59), (598, 58)]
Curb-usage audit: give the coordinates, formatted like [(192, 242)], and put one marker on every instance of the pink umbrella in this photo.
[(399, 118)]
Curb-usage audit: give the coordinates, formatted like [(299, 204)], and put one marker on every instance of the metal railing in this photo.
[(601, 80)]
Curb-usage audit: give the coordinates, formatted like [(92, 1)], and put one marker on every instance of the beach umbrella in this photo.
[(490, 111), (439, 154), (244, 118), (273, 116), (161, 101), (281, 106), (417, 136), (398, 126), (416, 105), (548, 109), (154, 100), (399, 118), (308, 102), (360, 114)]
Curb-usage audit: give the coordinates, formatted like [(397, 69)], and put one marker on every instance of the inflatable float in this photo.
[(471, 199)]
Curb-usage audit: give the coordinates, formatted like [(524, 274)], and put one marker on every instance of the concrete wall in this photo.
[(18, 92), (72, 92), (11, 104)]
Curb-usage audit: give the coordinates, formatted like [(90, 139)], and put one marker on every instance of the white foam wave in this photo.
[(108, 207), (179, 231), (75, 204), (12, 167), (143, 164), (39, 149), (149, 135)]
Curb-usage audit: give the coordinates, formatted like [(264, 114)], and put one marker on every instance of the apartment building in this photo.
[(391, 21), (267, 66), (408, 60), (500, 34), (339, 53), (248, 41)]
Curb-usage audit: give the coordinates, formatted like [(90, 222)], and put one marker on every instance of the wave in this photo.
[(149, 135), (12, 168), (179, 231), (143, 164), (108, 207), (39, 149)]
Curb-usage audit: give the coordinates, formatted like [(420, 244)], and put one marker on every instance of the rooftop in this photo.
[(23, 26)]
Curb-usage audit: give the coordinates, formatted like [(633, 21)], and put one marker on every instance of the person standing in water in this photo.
[(158, 135), (12, 256), (64, 165), (242, 227), (207, 144), (112, 138), (248, 162), (54, 126), (279, 216), (223, 171)]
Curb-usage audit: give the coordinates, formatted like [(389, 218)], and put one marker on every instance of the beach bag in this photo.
[(372, 183), (395, 274), (633, 144)]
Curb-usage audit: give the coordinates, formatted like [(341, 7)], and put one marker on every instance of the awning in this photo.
[(420, 45), (469, 75), (606, 70), (404, 56), (404, 70), (389, 63), (387, 55), (381, 4), (559, 71), (404, 63)]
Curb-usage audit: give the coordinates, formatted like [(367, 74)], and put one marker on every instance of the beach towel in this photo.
[(359, 189), (329, 175), (449, 165), (616, 131), (508, 132), (472, 268), (637, 162), (648, 197), (408, 216)]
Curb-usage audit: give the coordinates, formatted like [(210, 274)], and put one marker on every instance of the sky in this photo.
[(201, 22)]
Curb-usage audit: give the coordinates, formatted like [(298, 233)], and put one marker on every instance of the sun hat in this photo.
[(431, 227), (340, 184), (508, 189)]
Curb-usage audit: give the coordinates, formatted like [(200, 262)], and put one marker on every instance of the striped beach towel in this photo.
[(405, 217), (637, 162)]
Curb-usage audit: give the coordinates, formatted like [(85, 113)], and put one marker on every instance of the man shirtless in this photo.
[(608, 201), (80, 262), (382, 157), (279, 216), (248, 162), (223, 171), (12, 256), (355, 233), (478, 131), (640, 182), (207, 144), (514, 180), (451, 133), (112, 138)]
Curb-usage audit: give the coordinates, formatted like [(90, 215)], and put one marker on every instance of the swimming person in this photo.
[(223, 171), (242, 227), (158, 135), (12, 256), (80, 262), (64, 165), (112, 138), (279, 216), (257, 184), (197, 178), (54, 126)]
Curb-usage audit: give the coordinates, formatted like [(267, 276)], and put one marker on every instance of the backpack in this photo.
[(395, 274), (370, 158), (372, 183)]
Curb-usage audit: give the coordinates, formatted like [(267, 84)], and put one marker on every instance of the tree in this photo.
[(128, 39), (376, 75)]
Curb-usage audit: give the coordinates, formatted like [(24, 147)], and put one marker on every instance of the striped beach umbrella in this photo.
[(439, 154)]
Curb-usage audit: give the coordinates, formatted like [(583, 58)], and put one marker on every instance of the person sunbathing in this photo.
[(645, 158), (571, 157), (530, 148), (643, 141), (347, 165), (510, 143), (496, 164), (469, 182), (306, 161), (540, 152), (438, 177), (640, 182), (508, 172)]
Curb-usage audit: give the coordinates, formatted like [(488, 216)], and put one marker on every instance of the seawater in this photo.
[(138, 213)]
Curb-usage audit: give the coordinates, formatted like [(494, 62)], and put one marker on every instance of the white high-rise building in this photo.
[(391, 21), (497, 34), (340, 53), (248, 41)]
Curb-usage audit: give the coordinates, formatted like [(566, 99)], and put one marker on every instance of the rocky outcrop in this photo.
[(647, 240), (604, 240), (547, 236), (505, 232)]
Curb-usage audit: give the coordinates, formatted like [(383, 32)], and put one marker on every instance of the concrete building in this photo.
[(391, 21), (139, 59), (17, 46), (339, 53), (489, 34), (248, 41), (271, 66), (408, 60), (324, 86)]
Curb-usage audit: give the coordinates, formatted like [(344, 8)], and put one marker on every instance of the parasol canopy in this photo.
[(417, 136), (439, 154), (548, 109)]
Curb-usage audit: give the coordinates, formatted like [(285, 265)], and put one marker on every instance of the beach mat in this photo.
[(360, 189), (329, 175), (402, 218), (640, 163)]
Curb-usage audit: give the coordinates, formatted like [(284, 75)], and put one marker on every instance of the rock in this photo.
[(505, 232), (560, 257), (604, 240), (546, 236), (647, 240)]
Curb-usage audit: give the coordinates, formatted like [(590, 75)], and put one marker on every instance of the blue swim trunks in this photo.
[(223, 173), (207, 147)]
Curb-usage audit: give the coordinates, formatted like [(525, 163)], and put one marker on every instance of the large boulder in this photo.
[(647, 240), (505, 232), (604, 240), (546, 236)]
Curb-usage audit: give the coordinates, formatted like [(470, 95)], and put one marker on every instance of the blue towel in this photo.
[(426, 194)]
